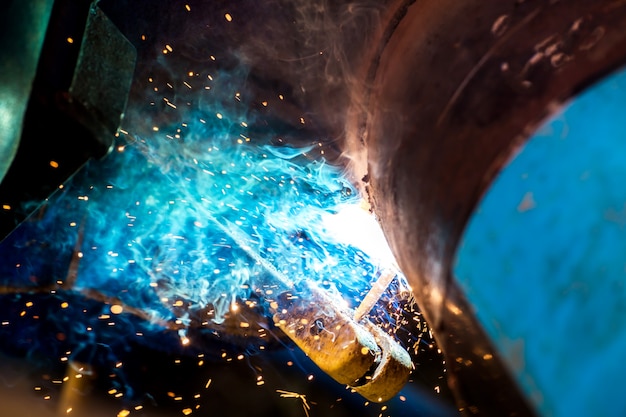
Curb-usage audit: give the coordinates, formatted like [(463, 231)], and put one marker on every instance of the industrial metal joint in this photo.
[(356, 353)]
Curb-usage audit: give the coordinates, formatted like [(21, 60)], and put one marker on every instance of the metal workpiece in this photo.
[(451, 95), (565, 263), (357, 354)]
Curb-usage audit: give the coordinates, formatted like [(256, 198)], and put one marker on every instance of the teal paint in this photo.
[(23, 27), (543, 259)]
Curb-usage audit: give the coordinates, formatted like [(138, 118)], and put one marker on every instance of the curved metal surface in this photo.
[(21, 38), (542, 258), (459, 87)]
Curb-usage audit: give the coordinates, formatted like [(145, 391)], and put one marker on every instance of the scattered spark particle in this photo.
[(310, 377), (487, 356), (6, 207), (244, 324), (187, 7), (169, 48), (207, 383), (301, 397), (54, 164), (117, 309), (123, 413), (65, 304), (69, 410), (402, 398), (187, 411), (228, 17)]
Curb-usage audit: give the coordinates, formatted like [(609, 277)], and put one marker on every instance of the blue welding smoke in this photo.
[(206, 219)]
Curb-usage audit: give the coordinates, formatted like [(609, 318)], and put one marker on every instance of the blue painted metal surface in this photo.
[(543, 259)]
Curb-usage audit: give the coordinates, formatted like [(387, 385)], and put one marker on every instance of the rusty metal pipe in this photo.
[(452, 89)]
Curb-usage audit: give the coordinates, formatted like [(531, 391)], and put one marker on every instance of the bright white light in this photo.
[(353, 225)]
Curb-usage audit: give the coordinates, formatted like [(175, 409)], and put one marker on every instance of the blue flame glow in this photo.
[(198, 222)]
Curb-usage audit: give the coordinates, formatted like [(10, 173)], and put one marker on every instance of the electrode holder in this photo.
[(358, 354)]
